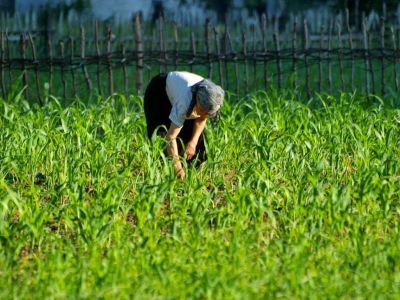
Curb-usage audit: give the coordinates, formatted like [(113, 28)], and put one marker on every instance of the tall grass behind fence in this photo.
[(94, 58)]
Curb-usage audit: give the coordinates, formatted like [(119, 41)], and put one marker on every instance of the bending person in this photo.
[(182, 102)]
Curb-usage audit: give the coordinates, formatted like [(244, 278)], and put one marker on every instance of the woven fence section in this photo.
[(336, 60)]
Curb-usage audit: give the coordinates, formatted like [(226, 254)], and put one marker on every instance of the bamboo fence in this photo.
[(252, 58)]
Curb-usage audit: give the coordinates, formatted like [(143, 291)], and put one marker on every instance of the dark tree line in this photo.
[(223, 7), (259, 7)]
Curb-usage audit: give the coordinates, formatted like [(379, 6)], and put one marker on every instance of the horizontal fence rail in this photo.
[(335, 60)]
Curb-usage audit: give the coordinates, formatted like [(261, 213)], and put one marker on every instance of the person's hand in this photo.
[(181, 174), (190, 150), (179, 170)]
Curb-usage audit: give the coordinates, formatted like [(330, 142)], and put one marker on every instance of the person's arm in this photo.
[(198, 128), (172, 148)]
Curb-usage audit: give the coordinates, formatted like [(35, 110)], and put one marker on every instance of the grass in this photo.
[(296, 201)]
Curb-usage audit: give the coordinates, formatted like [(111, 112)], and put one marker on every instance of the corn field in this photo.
[(296, 200)]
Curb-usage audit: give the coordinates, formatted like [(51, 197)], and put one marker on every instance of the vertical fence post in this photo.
[(50, 51), (23, 57), (124, 72), (264, 41), (64, 81), (396, 80), (98, 57), (366, 61), (10, 81), (193, 49), (36, 63), (246, 71), (153, 53), (383, 87), (207, 38), (294, 55), (339, 49), (351, 48), (218, 51), (3, 85), (226, 53), (109, 62), (278, 59), (253, 29), (83, 60), (176, 46), (71, 65), (139, 54), (162, 44), (321, 44), (329, 57), (371, 66), (306, 46)]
